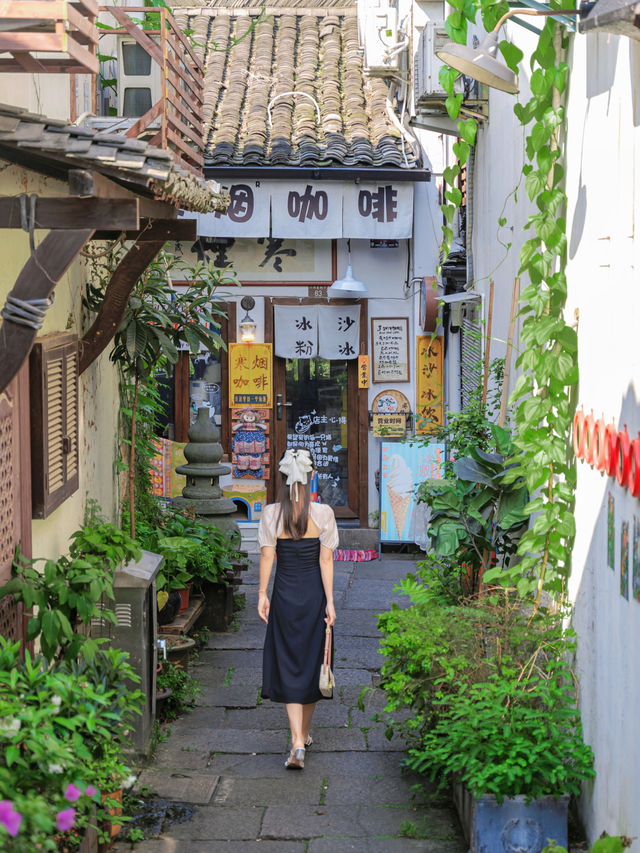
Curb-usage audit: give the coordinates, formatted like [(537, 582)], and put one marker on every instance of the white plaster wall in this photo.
[(602, 161), (602, 185)]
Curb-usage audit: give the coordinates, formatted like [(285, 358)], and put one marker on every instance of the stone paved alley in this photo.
[(351, 796)]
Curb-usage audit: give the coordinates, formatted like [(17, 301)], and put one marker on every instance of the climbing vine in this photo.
[(548, 358)]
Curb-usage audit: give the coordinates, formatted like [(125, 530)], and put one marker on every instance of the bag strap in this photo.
[(327, 647)]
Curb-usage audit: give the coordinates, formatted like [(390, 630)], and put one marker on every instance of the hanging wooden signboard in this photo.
[(391, 426), (390, 348), (429, 385), (250, 375)]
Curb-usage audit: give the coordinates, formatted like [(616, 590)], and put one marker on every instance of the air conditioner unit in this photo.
[(380, 36), (139, 84), (426, 67)]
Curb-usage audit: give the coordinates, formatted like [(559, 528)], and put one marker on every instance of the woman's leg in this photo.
[(307, 714), (296, 721)]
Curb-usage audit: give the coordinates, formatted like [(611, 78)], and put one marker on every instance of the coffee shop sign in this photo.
[(309, 210)]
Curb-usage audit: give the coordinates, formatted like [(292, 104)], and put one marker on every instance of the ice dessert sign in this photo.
[(403, 466)]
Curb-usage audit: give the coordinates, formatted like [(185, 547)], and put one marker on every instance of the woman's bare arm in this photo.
[(267, 555), (326, 570)]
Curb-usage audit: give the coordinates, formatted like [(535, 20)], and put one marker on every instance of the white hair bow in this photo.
[(296, 464)]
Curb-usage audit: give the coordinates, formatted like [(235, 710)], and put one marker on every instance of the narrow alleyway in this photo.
[(351, 796)]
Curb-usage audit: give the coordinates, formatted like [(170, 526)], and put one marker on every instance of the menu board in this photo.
[(390, 348)]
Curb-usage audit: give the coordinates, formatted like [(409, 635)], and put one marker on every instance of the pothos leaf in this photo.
[(512, 55)]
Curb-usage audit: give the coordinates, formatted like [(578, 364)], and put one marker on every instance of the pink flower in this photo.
[(9, 817), (91, 791), (72, 793), (65, 819)]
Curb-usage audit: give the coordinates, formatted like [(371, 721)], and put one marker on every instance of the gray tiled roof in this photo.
[(54, 146), (311, 49)]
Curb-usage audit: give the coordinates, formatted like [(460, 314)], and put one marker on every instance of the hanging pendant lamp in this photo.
[(348, 285)]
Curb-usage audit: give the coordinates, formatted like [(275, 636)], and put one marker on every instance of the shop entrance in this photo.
[(318, 406)]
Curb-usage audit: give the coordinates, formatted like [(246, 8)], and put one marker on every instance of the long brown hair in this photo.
[(295, 528)]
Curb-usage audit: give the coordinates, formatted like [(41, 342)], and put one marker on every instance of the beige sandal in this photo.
[(295, 761)]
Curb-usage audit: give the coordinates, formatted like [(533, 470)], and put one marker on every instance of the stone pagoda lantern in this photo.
[(203, 492)]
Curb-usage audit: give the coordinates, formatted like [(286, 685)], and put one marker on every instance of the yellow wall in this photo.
[(99, 401)]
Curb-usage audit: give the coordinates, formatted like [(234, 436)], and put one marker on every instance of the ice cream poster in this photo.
[(403, 466)]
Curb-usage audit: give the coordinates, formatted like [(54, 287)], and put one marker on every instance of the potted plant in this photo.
[(175, 574), (495, 712)]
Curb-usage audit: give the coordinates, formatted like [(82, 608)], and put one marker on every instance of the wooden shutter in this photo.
[(54, 421)]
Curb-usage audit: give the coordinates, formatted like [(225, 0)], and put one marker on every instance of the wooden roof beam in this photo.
[(72, 213), (173, 230), (89, 184)]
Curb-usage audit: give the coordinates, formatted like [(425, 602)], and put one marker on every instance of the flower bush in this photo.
[(60, 728)]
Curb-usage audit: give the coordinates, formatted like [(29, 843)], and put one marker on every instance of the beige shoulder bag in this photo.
[(327, 681)]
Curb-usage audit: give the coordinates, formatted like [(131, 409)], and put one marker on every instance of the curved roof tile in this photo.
[(310, 48)]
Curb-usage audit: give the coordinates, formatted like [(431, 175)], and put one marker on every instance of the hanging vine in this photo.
[(548, 359)]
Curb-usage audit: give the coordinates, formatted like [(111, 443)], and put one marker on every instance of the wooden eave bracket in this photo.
[(36, 280), (148, 243)]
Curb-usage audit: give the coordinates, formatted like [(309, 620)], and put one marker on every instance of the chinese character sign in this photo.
[(296, 331), (390, 345), (429, 386), (250, 375), (303, 209), (246, 216), (363, 371), (403, 466), (378, 211), (339, 331)]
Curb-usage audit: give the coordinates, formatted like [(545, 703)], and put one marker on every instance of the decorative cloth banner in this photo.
[(339, 331), (306, 210), (377, 211), (296, 331), (246, 216)]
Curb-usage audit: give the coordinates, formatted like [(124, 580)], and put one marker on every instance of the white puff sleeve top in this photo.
[(321, 515)]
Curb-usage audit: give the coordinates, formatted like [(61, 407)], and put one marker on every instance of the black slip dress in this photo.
[(294, 644)]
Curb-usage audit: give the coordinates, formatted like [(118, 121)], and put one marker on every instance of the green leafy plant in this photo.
[(492, 699), (184, 690), (192, 549), (477, 517), (605, 844), (517, 733), (157, 321), (548, 357), (69, 591), (55, 720)]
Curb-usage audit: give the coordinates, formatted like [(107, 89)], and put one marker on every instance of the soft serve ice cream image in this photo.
[(400, 491)]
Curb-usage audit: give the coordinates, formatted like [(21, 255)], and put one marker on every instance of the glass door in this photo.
[(314, 409)]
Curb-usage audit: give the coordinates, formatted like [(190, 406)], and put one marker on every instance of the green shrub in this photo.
[(184, 690)]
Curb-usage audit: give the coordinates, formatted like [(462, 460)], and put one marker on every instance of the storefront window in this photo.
[(205, 386)]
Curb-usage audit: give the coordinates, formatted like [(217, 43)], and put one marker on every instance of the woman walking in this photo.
[(303, 536)]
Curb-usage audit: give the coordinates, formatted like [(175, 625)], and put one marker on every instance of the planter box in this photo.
[(512, 826)]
